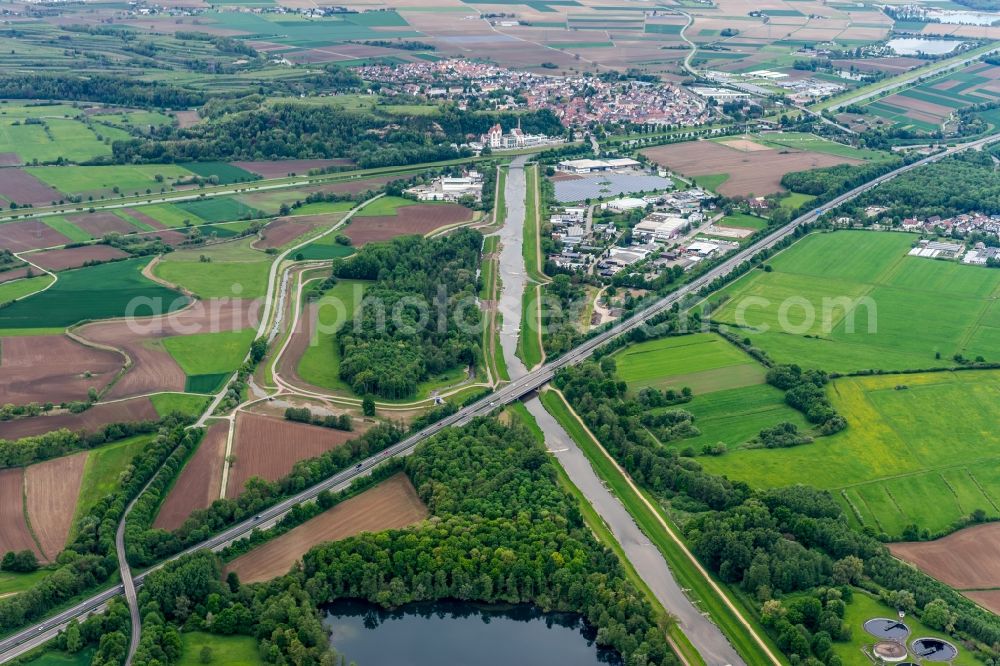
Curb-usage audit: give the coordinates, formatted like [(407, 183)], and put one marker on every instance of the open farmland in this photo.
[(75, 257), (97, 292), (50, 140), (919, 449), (103, 469), (199, 483), (102, 180), (703, 362), (286, 229), (917, 314), (100, 223), (14, 534), (269, 447), (52, 368), (740, 173), (51, 489), (22, 188), (227, 270), (927, 105), (392, 504), (29, 235), (414, 219), (98, 416), (166, 351)]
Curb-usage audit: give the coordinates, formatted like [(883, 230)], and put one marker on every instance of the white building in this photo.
[(661, 227), (587, 165), (624, 204)]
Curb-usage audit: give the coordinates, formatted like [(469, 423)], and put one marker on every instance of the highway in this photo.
[(36, 635)]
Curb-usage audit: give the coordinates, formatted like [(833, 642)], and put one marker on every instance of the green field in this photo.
[(320, 363), (218, 209), (703, 362), (102, 470), (235, 270), (57, 138), (183, 403), (170, 215), (928, 453), (743, 221), (384, 206), (804, 141), (139, 119), (226, 650), (711, 181), (21, 288), (914, 310), (109, 290), (210, 353), (19, 582), (129, 179), (324, 207), (794, 200)]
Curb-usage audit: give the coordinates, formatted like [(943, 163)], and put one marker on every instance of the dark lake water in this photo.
[(458, 634)]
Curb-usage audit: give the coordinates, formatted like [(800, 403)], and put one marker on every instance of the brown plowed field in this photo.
[(75, 257), (284, 229), (14, 534), (29, 235), (199, 483), (13, 274), (140, 409), (186, 118), (758, 172), (351, 186), (966, 559), (22, 187), (44, 368), (281, 168), (98, 224), (269, 447), (153, 369), (52, 488), (392, 504), (9, 159), (988, 599), (416, 219)]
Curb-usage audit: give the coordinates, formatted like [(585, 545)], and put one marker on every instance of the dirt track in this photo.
[(52, 489), (966, 559), (52, 368), (269, 447), (392, 504), (14, 534), (200, 481)]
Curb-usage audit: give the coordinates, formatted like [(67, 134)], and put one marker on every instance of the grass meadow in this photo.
[(922, 311), (103, 467), (320, 363), (919, 448), (233, 269), (210, 353), (183, 403), (226, 650), (128, 178)]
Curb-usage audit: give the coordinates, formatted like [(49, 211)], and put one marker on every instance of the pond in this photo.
[(452, 632), (964, 17), (915, 46)]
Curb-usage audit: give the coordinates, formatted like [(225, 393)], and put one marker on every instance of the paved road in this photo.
[(518, 388), (511, 266), (707, 638)]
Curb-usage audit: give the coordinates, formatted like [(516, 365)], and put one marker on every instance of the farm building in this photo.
[(936, 250)]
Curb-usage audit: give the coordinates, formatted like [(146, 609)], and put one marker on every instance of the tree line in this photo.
[(120, 91)]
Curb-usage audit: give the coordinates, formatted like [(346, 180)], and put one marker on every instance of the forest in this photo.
[(418, 319), (290, 130), (931, 190), (99, 88), (492, 491), (774, 544)]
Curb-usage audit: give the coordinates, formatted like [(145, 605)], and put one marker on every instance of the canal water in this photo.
[(459, 634)]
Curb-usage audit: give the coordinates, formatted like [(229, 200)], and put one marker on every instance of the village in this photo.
[(576, 100)]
